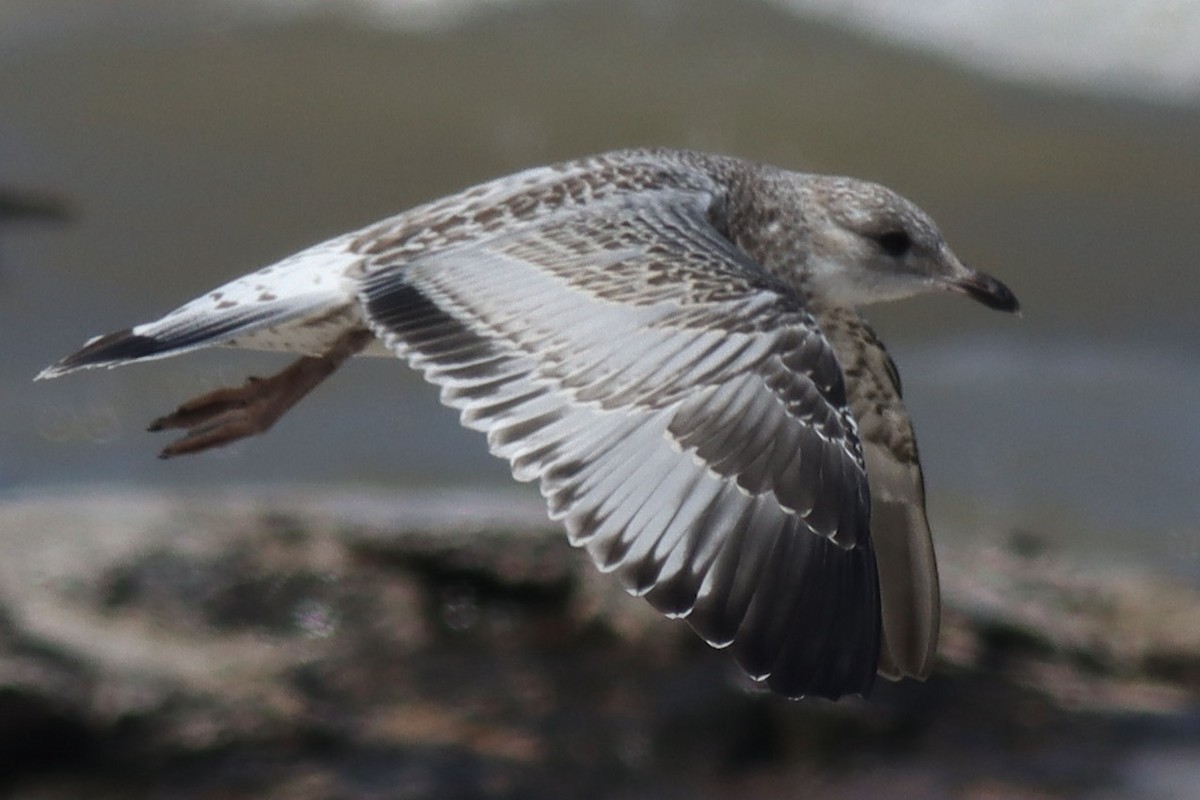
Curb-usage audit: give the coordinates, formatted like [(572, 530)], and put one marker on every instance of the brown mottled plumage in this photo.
[(668, 342)]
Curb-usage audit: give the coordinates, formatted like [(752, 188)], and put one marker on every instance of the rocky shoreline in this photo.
[(308, 644)]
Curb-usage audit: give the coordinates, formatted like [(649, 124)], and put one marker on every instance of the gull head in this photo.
[(867, 244)]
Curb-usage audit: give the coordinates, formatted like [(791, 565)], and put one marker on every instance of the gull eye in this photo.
[(894, 243)]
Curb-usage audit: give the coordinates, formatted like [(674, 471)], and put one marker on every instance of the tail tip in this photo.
[(101, 351)]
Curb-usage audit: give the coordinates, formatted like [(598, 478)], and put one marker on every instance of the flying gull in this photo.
[(669, 343)]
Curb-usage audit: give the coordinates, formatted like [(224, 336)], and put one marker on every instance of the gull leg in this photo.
[(233, 413)]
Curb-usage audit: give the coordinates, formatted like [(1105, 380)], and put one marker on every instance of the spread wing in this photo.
[(908, 578), (686, 420)]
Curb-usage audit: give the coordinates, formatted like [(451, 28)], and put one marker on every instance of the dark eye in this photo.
[(894, 243)]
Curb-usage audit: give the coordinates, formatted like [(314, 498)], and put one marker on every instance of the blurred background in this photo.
[(195, 141), (150, 151)]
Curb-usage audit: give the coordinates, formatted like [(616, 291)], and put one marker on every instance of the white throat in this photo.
[(835, 283)]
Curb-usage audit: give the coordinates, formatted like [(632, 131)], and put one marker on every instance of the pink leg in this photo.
[(229, 414)]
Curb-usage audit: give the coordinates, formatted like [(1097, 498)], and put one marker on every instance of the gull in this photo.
[(669, 343)]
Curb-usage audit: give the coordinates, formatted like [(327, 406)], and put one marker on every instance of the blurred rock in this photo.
[(308, 645)]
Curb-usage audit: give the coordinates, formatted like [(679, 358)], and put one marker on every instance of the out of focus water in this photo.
[(199, 140)]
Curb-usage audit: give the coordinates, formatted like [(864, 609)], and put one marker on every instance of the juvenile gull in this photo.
[(668, 342)]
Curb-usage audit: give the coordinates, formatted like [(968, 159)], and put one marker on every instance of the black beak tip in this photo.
[(992, 293)]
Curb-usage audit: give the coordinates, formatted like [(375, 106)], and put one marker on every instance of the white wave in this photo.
[(1149, 48)]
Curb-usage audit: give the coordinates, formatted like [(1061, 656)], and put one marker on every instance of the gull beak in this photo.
[(989, 291), (983, 288)]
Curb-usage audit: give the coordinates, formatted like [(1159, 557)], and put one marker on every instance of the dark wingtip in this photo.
[(112, 348)]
